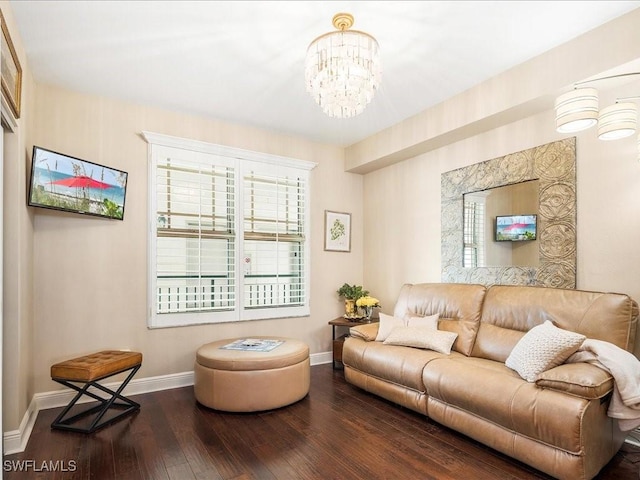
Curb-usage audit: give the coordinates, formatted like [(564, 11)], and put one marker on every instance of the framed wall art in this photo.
[(10, 71), (337, 231)]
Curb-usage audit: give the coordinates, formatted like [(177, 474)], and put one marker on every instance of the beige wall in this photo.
[(17, 253), (402, 206), (90, 275)]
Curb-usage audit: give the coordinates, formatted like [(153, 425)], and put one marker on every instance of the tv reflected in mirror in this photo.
[(66, 183), (516, 228)]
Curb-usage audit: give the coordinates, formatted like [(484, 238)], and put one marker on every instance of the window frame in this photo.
[(474, 252), (243, 161)]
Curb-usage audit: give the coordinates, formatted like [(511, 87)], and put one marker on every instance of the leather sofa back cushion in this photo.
[(510, 311), (543, 348), (460, 304)]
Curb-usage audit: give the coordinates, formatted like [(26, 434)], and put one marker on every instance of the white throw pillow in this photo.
[(430, 321), (542, 348), (387, 323), (422, 337)]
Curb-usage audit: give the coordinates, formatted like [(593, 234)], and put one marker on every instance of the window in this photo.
[(473, 231), (228, 239)]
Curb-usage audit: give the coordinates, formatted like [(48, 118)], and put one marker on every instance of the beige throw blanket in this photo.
[(624, 367)]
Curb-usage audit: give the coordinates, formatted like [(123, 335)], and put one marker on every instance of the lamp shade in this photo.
[(577, 110), (342, 69), (618, 121)]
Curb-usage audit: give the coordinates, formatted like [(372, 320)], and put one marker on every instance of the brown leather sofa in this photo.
[(558, 424)]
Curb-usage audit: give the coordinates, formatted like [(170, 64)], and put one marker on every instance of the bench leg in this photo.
[(100, 410)]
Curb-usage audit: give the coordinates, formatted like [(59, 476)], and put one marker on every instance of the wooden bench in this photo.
[(83, 372)]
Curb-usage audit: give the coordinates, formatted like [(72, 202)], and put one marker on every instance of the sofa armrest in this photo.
[(579, 379), (368, 332)]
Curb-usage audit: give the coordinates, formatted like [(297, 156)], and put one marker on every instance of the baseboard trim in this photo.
[(60, 398), (321, 358), (15, 441)]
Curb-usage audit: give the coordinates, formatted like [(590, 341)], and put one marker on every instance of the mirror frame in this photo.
[(554, 164)]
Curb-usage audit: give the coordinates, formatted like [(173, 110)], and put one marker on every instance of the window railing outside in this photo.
[(186, 293)]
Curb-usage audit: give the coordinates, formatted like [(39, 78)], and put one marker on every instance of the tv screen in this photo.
[(516, 228), (63, 182)]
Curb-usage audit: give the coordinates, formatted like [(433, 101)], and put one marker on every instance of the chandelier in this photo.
[(342, 69)]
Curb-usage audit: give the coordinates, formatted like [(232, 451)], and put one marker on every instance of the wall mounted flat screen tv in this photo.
[(516, 228), (63, 182)]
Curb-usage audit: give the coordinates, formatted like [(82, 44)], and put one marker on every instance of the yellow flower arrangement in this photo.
[(368, 301)]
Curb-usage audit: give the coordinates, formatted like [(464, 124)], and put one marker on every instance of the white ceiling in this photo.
[(243, 61)]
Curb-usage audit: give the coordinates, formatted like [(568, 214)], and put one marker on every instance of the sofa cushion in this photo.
[(422, 337), (541, 348), (495, 343), (579, 379), (489, 390), (395, 364), (457, 304), (509, 311)]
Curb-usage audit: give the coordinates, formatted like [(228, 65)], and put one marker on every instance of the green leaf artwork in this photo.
[(337, 229)]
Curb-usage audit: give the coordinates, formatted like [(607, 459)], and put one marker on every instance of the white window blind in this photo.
[(474, 238), (274, 238), (195, 234), (229, 235)]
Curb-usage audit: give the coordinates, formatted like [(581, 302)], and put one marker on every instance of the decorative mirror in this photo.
[(500, 227), (545, 174)]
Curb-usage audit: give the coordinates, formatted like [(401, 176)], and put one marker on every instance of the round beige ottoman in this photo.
[(250, 381)]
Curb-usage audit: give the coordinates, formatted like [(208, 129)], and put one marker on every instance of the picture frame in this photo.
[(337, 231), (10, 71)]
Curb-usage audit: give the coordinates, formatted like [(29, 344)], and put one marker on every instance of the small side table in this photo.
[(338, 343)]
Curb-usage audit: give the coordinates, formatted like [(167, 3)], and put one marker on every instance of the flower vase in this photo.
[(367, 312), (350, 308)]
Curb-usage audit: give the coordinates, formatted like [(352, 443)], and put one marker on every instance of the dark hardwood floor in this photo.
[(336, 432)]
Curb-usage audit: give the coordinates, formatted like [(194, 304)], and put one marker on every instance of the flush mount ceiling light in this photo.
[(342, 69)]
